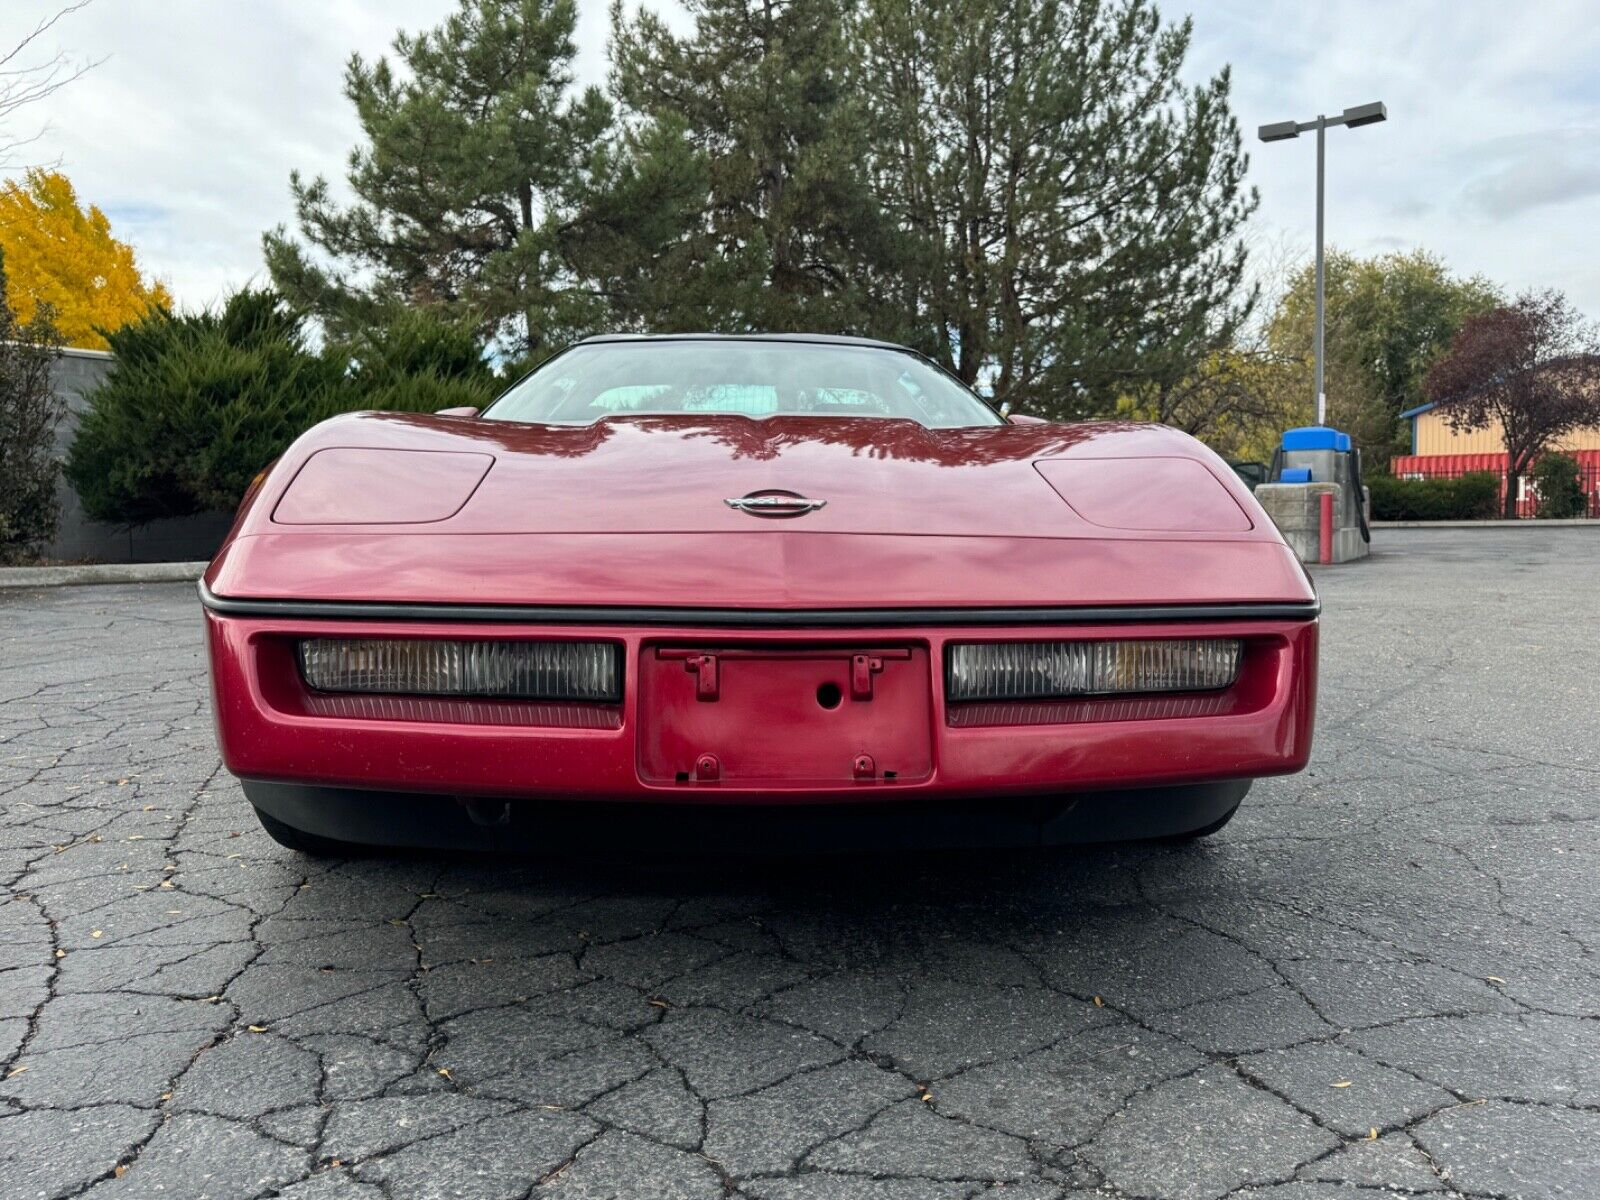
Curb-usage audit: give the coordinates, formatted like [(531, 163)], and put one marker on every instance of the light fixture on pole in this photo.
[(1282, 131)]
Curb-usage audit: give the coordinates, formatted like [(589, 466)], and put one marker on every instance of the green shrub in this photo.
[(198, 404), (1471, 497), (1476, 496), (1558, 480), (29, 414), (195, 406)]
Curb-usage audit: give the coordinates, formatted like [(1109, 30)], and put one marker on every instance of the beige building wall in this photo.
[(1434, 436)]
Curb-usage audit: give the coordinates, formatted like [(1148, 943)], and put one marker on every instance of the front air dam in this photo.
[(400, 819)]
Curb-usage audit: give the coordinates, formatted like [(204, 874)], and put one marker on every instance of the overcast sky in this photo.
[(186, 133)]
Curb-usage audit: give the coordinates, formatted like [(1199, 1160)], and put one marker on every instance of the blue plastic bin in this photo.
[(1315, 437)]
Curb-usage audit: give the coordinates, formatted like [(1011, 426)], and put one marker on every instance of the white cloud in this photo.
[(186, 134), (1548, 167), (1489, 157), (187, 131)]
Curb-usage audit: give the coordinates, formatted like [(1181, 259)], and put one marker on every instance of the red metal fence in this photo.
[(1453, 466)]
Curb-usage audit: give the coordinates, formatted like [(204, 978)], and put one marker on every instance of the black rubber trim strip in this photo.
[(763, 618)]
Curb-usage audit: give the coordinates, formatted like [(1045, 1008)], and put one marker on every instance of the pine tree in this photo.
[(1072, 207), (475, 159), (755, 107)]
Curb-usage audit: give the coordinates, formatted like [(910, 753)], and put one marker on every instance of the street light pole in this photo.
[(1363, 114), (1322, 141)]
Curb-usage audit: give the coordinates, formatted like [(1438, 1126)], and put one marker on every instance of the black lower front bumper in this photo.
[(391, 819)]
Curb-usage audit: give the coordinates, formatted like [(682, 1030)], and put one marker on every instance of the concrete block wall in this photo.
[(1296, 509)]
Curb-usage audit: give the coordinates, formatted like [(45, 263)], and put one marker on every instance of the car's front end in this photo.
[(450, 632), (731, 713)]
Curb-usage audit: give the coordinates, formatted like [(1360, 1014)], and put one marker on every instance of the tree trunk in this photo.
[(525, 201)]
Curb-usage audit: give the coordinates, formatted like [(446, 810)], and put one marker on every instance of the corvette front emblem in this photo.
[(775, 502)]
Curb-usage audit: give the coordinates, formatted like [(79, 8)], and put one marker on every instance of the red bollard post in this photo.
[(1325, 530)]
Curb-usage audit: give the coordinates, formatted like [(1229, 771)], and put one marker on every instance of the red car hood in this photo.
[(631, 511)]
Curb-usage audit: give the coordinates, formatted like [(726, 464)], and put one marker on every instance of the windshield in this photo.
[(749, 377)]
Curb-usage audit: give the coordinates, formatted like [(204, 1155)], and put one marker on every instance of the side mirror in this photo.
[(464, 411), (1025, 419)]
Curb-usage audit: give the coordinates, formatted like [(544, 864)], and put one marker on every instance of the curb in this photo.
[(21, 577), (1526, 521)]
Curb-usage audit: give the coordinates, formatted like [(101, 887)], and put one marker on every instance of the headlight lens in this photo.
[(498, 669), (1047, 670)]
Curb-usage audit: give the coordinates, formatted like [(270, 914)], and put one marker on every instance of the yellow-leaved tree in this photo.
[(61, 254)]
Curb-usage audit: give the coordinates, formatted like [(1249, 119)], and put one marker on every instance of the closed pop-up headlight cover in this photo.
[(348, 485), (1154, 494)]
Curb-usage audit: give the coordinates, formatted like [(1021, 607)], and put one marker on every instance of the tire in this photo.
[(1194, 835), (302, 842)]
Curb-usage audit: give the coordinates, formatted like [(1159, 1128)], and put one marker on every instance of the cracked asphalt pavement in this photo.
[(1381, 978)]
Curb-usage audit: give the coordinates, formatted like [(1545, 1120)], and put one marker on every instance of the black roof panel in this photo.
[(829, 339)]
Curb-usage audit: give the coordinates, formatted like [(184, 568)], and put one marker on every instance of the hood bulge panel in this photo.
[(347, 485)]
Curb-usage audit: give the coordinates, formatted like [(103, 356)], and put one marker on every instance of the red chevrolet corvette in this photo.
[(752, 585)]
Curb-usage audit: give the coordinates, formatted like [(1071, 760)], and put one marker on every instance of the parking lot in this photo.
[(1382, 976)]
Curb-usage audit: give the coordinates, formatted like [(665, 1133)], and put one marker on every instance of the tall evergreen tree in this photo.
[(1072, 207), (477, 157), (786, 230)]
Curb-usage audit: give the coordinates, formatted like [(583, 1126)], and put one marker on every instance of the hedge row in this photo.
[(1465, 498)]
